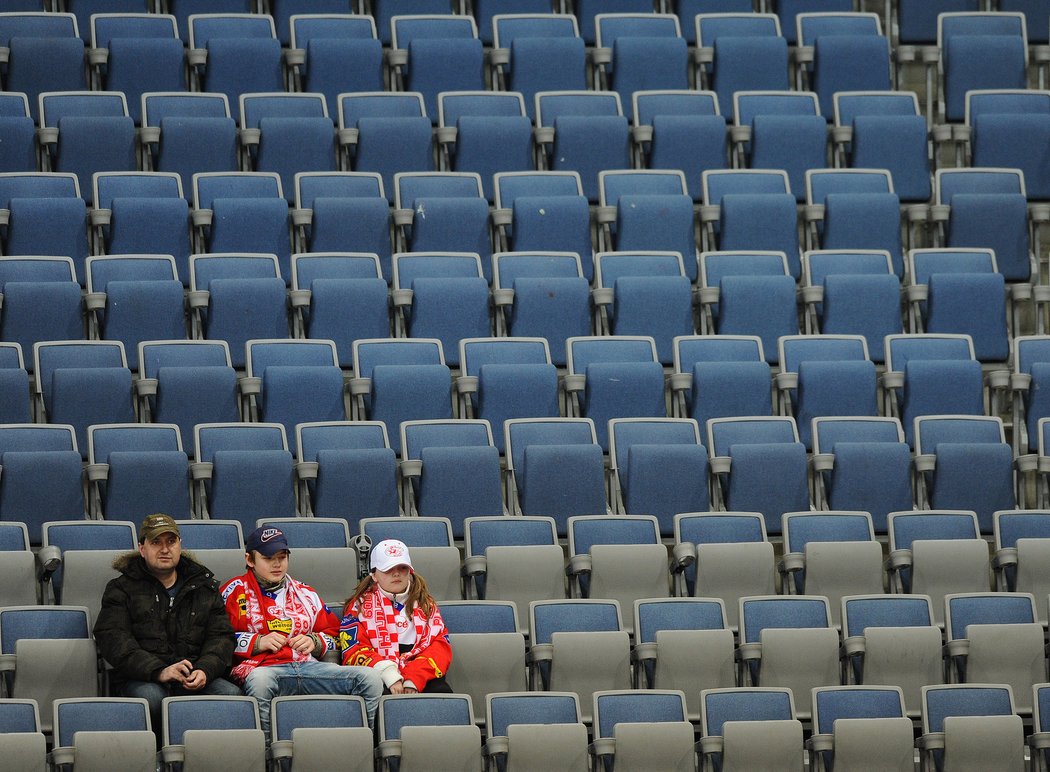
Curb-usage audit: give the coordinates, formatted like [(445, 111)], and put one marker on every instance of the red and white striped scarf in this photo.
[(301, 606), (378, 613)]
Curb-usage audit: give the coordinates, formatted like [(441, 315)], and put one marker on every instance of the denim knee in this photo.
[(262, 683)]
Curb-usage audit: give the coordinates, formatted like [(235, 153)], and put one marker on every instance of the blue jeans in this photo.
[(312, 677), (154, 693)]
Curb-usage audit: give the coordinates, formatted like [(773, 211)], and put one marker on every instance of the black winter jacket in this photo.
[(139, 635)]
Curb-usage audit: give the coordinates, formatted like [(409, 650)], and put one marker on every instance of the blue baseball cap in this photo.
[(267, 541)]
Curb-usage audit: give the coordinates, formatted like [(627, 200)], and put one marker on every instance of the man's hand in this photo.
[(176, 673), (398, 688), (303, 643), (271, 642), (195, 680)]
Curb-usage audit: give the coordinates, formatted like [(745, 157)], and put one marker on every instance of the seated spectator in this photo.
[(162, 626), (282, 628), (392, 624)]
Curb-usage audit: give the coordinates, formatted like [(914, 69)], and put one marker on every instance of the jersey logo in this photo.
[(280, 626), (348, 638), (360, 659), (230, 588)]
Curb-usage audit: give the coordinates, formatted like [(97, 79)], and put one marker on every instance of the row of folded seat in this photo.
[(341, 297), (510, 404), (747, 728), (512, 562), (603, 144), (452, 466), (911, 21), (827, 47), (580, 671), (268, 390), (444, 214), (622, 555), (244, 226), (238, 212), (197, 733), (291, 381), (491, 132), (538, 211)]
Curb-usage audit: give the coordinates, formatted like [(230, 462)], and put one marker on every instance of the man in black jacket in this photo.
[(162, 627)]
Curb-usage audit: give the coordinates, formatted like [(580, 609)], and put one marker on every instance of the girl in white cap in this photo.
[(392, 624)]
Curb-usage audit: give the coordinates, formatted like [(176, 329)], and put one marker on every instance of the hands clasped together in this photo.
[(304, 643), (183, 673), (400, 688)]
